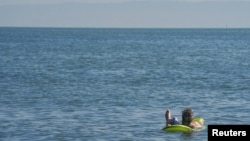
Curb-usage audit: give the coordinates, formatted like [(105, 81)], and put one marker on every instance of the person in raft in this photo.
[(187, 119)]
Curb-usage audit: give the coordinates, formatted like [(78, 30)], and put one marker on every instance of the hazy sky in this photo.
[(125, 13)]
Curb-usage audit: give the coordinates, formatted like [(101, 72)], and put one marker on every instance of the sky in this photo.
[(126, 13)]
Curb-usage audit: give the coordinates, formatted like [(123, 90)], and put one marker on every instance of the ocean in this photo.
[(115, 84)]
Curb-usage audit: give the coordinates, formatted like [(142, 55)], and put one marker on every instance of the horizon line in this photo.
[(125, 27)]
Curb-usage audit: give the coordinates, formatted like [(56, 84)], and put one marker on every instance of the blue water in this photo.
[(68, 84)]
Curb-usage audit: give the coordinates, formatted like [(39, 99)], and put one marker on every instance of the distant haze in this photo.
[(126, 13)]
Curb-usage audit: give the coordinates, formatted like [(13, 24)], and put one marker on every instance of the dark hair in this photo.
[(187, 116)]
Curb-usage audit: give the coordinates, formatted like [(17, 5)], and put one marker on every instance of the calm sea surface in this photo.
[(62, 84)]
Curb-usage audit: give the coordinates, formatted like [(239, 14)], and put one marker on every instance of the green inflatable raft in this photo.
[(183, 128)]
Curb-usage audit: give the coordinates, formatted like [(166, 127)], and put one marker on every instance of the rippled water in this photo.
[(115, 84)]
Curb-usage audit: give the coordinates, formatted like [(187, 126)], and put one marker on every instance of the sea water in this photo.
[(107, 84)]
